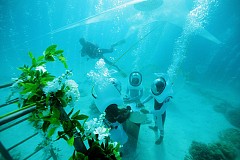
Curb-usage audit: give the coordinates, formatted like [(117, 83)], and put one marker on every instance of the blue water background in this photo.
[(30, 25)]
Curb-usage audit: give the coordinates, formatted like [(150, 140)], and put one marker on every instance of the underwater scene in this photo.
[(120, 80)]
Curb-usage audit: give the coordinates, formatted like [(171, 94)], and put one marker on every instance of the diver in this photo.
[(93, 51), (161, 92), (134, 90)]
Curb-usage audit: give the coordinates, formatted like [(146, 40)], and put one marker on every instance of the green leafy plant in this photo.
[(50, 94)]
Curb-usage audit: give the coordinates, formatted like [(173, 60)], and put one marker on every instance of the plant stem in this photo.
[(78, 143)]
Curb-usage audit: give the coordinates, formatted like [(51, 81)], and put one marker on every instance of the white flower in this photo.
[(96, 127), (72, 93), (102, 132), (114, 144), (41, 68), (52, 87)]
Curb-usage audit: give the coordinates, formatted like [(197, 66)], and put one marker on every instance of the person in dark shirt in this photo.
[(94, 52)]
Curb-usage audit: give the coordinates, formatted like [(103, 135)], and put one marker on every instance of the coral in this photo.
[(212, 151), (231, 113), (222, 107), (233, 116), (231, 136)]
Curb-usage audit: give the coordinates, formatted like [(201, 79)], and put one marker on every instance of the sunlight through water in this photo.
[(197, 18)]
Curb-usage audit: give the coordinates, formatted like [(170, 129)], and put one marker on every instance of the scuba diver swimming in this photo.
[(93, 51)]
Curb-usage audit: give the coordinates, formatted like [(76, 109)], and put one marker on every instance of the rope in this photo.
[(129, 49), (136, 43)]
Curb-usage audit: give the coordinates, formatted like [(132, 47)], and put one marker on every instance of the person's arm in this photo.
[(147, 99), (141, 93)]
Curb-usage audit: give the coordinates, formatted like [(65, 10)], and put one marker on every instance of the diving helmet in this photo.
[(158, 86), (135, 78)]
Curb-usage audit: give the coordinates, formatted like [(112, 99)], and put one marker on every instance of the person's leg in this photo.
[(103, 51), (154, 128), (118, 43), (160, 139)]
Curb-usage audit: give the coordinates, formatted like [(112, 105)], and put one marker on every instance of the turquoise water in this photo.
[(195, 42)]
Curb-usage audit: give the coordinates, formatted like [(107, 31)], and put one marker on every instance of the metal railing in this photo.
[(14, 116)]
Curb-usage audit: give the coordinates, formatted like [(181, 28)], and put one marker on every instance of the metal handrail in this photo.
[(5, 153), (13, 124), (13, 116), (14, 146), (9, 102), (16, 114), (36, 151), (6, 85)]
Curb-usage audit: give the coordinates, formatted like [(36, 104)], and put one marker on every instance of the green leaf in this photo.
[(70, 141), (62, 136), (30, 55), (49, 58), (69, 114), (34, 62), (90, 142), (78, 125), (45, 125), (29, 87), (40, 58), (102, 146), (58, 52), (80, 155), (67, 126), (47, 99), (50, 50), (55, 113), (41, 63), (63, 60), (63, 102), (51, 131), (80, 117), (54, 121), (75, 114), (44, 80), (31, 95)]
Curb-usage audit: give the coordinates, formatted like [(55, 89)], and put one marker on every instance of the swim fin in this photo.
[(118, 43)]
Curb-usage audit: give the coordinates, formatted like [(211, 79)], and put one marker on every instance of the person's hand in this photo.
[(144, 111)]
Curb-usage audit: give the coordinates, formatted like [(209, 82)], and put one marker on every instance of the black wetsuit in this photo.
[(93, 51)]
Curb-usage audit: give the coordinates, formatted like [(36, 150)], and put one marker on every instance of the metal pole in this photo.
[(22, 141), (4, 152), (6, 85), (9, 102), (20, 121), (16, 115)]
